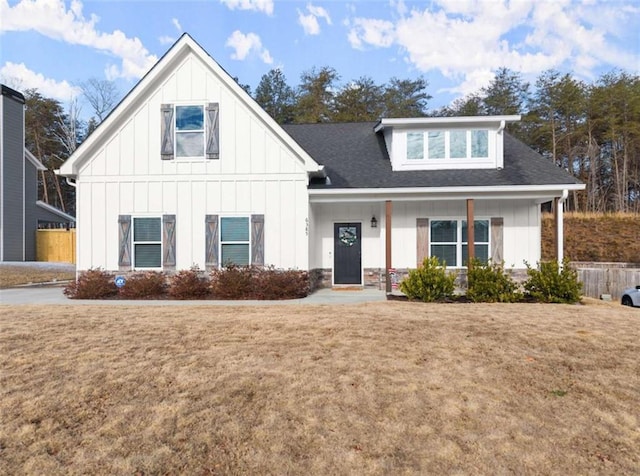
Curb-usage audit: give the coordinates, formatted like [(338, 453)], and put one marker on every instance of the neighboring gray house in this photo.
[(20, 210)]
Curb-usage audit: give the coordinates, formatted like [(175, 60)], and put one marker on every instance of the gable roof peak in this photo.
[(183, 45)]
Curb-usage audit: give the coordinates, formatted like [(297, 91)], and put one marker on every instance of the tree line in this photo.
[(592, 130)]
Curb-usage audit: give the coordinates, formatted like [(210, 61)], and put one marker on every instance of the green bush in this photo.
[(189, 284), (144, 285), (550, 283), (94, 283), (429, 282), (491, 283)]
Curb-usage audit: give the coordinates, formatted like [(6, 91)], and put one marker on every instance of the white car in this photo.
[(631, 297)]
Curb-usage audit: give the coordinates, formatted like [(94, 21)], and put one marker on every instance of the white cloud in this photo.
[(464, 40), (265, 6), (309, 21), (166, 40), (22, 78), (52, 19), (379, 33), (246, 45)]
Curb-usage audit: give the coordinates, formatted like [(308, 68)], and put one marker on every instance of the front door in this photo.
[(347, 267)]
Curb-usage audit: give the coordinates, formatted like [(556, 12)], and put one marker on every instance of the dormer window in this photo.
[(440, 143), (448, 144)]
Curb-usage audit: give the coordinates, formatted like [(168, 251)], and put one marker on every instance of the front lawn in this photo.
[(377, 388)]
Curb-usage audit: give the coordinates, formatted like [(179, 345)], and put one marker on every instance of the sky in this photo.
[(456, 45)]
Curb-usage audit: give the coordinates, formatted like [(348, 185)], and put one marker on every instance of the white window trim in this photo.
[(220, 242), (459, 243), (134, 243), (199, 158), (402, 162)]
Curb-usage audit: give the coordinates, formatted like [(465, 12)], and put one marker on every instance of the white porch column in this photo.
[(560, 226)]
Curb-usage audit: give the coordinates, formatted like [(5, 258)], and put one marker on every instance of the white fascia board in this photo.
[(437, 121), (180, 48), (537, 192), (34, 160), (55, 211)]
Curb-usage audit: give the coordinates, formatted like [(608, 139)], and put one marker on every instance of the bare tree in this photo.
[(101, 94)]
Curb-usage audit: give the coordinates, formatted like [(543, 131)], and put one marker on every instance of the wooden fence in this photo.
[(607, 278), (56, 245)]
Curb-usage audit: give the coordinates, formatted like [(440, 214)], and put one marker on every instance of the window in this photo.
[(234, 241), (449, 241), (415, 145), (147, 242), (189, 131), (436, 145), (458, 144), (449, 144), (479, 144)]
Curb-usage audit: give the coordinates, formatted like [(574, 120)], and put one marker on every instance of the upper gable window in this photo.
[(190, 131), (447, 145)]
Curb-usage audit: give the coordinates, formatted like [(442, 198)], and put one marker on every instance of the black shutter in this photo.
[(211, 241), (213, 133), (169, 242), (257, 240), (124, 242), (497, 253), (166, 132)]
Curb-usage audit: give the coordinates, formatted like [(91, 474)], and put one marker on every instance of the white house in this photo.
[(188, 169)]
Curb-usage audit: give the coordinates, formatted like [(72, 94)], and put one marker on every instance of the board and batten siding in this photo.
[(256, 174), (521, 229)]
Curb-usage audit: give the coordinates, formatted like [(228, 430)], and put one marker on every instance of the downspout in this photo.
[(560, 226), (500, 145)]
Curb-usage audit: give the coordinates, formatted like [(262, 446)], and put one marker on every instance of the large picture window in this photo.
[(449, 241), (189, 131), (147, 242), (235, 246)]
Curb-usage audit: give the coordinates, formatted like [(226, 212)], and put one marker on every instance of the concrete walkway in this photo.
[(38, 294)]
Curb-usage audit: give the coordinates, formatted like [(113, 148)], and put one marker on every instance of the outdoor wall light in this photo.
[(374, 222)]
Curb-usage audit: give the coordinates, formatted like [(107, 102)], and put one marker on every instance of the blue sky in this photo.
[(53, 45)]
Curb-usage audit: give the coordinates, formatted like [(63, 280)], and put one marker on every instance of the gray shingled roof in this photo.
[(356, 157)]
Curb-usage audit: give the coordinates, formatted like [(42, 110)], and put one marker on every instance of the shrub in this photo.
[(144, 285), (490, 283), (550, 283), (232, 282), (271, 283), (252, 282), (188, 284), (430, 282), (94, 283)]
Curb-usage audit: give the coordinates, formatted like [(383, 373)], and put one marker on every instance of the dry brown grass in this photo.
[(595, 237), (15, 275), (384, 388)]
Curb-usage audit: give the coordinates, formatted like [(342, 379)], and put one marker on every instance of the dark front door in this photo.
[(347, 249)]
